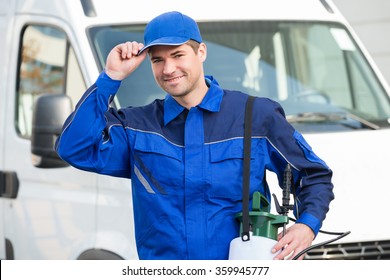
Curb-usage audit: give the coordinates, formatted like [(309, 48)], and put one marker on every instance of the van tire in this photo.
[(99, 254)]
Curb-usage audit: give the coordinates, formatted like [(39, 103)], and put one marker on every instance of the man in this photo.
[(184, 154)]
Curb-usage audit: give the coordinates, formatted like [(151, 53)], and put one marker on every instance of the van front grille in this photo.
[(371, 250)]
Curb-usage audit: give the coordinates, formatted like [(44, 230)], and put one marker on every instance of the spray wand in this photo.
[(286, 206)]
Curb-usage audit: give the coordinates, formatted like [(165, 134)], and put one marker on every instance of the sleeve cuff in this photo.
[(106, 84), (311, 222)]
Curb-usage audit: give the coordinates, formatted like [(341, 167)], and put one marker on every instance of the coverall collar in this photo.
[(211, 102)]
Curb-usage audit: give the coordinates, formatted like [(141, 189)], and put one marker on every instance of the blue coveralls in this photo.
[(186, 165)]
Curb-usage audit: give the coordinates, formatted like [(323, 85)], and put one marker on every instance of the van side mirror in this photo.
[(49, 114)]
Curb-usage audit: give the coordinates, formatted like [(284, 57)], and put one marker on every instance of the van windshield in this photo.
[(314, 70)]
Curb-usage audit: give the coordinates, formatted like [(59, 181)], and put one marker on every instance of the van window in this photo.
[(47, 65), (314, 69)]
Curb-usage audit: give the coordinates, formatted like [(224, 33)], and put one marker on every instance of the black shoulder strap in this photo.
[(246, 168)]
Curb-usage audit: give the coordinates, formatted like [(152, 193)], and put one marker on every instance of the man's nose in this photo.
[(169, 66)]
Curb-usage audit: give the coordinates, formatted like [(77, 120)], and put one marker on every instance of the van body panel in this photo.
[(3, 30), (49, 201), (360, 185), (360, 188), (220, 10), (114, 224)]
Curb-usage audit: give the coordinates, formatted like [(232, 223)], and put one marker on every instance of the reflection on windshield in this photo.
[(308, 67)]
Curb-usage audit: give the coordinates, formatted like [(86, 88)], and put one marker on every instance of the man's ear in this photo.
[(202, 51)]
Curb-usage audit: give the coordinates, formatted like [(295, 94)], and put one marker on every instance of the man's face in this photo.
[(178, 70)]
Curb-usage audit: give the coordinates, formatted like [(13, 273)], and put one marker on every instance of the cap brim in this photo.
[(166, 41)]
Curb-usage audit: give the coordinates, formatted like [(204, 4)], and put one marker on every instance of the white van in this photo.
[(301, 53)]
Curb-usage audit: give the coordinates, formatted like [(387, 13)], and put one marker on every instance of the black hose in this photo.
[(321, 244)]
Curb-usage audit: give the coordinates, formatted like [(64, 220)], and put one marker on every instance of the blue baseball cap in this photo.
[(172, 29)]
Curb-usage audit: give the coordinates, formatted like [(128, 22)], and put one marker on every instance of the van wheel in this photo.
[(98, 254)]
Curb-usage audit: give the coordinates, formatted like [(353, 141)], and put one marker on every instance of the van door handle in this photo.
[(9, 184)]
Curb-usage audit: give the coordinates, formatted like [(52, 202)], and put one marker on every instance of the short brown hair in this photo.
[(194, 45)]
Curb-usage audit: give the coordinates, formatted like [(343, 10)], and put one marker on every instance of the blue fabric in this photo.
[(186, 165)]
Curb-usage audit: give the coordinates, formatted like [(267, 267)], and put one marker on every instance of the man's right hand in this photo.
[(123, 59)]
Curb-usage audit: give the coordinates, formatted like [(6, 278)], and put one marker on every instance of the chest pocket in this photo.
[(226, 160), (159, 161)]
